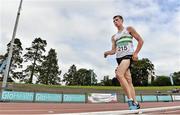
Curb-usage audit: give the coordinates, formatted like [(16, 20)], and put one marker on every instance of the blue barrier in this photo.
[(74, 98), (149, 98), (138, 98), (164, 98), (47, 97), (17, 96), (68, 98)]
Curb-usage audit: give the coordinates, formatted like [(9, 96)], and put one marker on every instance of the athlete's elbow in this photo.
[(141, 42), (113, 52)]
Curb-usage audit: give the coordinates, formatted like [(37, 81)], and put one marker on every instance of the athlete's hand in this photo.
[(105, 54), (135, 57)]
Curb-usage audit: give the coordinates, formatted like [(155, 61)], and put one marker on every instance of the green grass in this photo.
[(118, 87), (82, 89), (91, 87), (157, 88)]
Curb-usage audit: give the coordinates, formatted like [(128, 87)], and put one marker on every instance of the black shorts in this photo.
[(125, 57)]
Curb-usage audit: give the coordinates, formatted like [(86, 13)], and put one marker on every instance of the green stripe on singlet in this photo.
[(122, 37), (124, 40), (125, 37), (122, 43)]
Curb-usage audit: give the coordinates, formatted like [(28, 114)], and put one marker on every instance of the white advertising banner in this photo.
[(102, 97), (176, 97)]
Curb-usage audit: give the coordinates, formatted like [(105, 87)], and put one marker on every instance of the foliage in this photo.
[(79, 77), (34, 55), (49, 70), (16, 60), (140, 71), (176, 78), (69, 77), (162, 81)]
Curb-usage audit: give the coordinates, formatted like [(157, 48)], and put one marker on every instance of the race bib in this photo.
[(123, 47)]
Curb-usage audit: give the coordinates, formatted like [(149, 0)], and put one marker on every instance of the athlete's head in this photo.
[(118, 20)]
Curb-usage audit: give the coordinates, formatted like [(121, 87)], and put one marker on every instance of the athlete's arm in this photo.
[(113, 50), (134, 34)]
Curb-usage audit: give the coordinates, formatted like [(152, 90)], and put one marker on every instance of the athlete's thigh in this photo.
[(123, 66), (128, 75)]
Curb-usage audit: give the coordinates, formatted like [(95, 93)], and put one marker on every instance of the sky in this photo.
[(80, 31)]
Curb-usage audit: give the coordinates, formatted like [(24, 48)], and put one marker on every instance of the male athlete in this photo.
[(122, 45)]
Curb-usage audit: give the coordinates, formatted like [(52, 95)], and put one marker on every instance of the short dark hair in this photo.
[(119, 16)]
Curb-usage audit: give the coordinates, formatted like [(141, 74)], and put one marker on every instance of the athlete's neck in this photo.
[(120, 28)]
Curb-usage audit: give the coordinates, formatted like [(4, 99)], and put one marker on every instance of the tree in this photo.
[(80, 77), (93, 77), (115, 82), (2, 64), (85, 77), (106, 81), (16, 60), (50, 70), (35, 56), (176, 78), (140, 71), (162, 81), (69, 77)]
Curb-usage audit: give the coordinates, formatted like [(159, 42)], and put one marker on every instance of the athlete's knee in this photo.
[(119, 74), (128, 77), (129, 80)]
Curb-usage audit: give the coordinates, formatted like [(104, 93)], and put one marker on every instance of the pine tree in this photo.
[(49, 70), (68, 78), (35, 56), (16, 60)]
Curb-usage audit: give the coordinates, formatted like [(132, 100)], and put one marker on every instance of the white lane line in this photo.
[(120, 112), (168, 112)]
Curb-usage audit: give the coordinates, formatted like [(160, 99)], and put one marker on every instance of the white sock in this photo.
[(130, 99)]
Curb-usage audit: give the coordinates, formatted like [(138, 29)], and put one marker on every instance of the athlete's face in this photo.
[(117, 21)]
